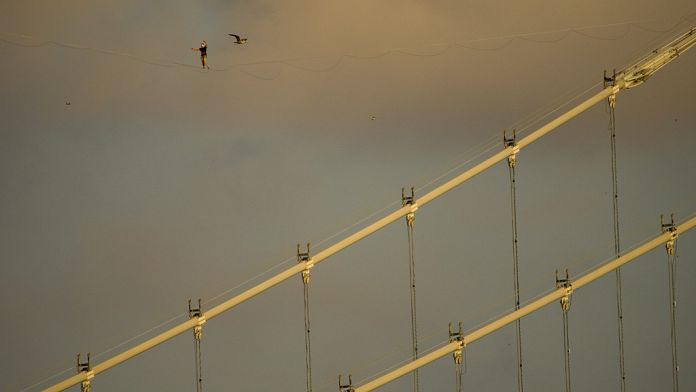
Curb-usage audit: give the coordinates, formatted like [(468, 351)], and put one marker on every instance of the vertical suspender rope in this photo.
[(671, 246), (512, 161), (672, 265), (199, 373), (410, 218), (458, 376), (565, 307), (617, 243), (566, 348), (308, 344), (305, 258)]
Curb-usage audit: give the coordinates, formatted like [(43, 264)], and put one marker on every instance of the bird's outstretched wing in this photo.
[(235, 36)]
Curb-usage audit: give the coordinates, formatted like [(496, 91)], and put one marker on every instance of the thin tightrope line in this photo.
[(409, 52)]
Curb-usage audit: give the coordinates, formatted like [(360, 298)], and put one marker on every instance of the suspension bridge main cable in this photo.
[(501, 301), (564, 291), (631, 77)]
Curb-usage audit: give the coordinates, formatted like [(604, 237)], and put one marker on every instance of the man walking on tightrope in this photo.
[(204, 54)]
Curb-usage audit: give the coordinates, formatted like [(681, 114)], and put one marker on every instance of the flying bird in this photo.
[(67, 103), (239, 40)]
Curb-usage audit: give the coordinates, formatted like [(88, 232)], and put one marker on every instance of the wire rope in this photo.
[(566, 351), (617, 241), (412, 283), (672, 275), (307, 329), (198, 363), (515, 265)]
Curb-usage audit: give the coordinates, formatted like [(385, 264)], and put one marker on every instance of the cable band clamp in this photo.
[(568, 294), (86, 369), (511, 142), (304, 257), (197, 313), (409, 201), (457, 336), (673, 234)]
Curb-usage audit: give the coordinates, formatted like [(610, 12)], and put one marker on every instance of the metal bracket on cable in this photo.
[(85, 367), (409, 201), (511, 142), (565, 283), (304, 257), (457, 336), (197, 313), (672, 229), (610, 81), (346, 387)]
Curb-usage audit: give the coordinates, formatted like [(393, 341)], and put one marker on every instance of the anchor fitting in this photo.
[(407, 200), (85, 367), (565, 284), (457, 336), (197, 313), (670, 228), (610, 80), (346, 387), (304, 257), (511, 142)]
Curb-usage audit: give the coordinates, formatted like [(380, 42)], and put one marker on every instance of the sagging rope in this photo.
[(512, 162), (303, 257), (410, 218), (671, 247), (197, 335), (565, 307)]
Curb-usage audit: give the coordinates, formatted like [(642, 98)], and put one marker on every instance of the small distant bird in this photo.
[(67, 103), (239, 40), (372, 118)]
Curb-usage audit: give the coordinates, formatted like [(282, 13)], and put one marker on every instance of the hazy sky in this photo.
[(161, 182)]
